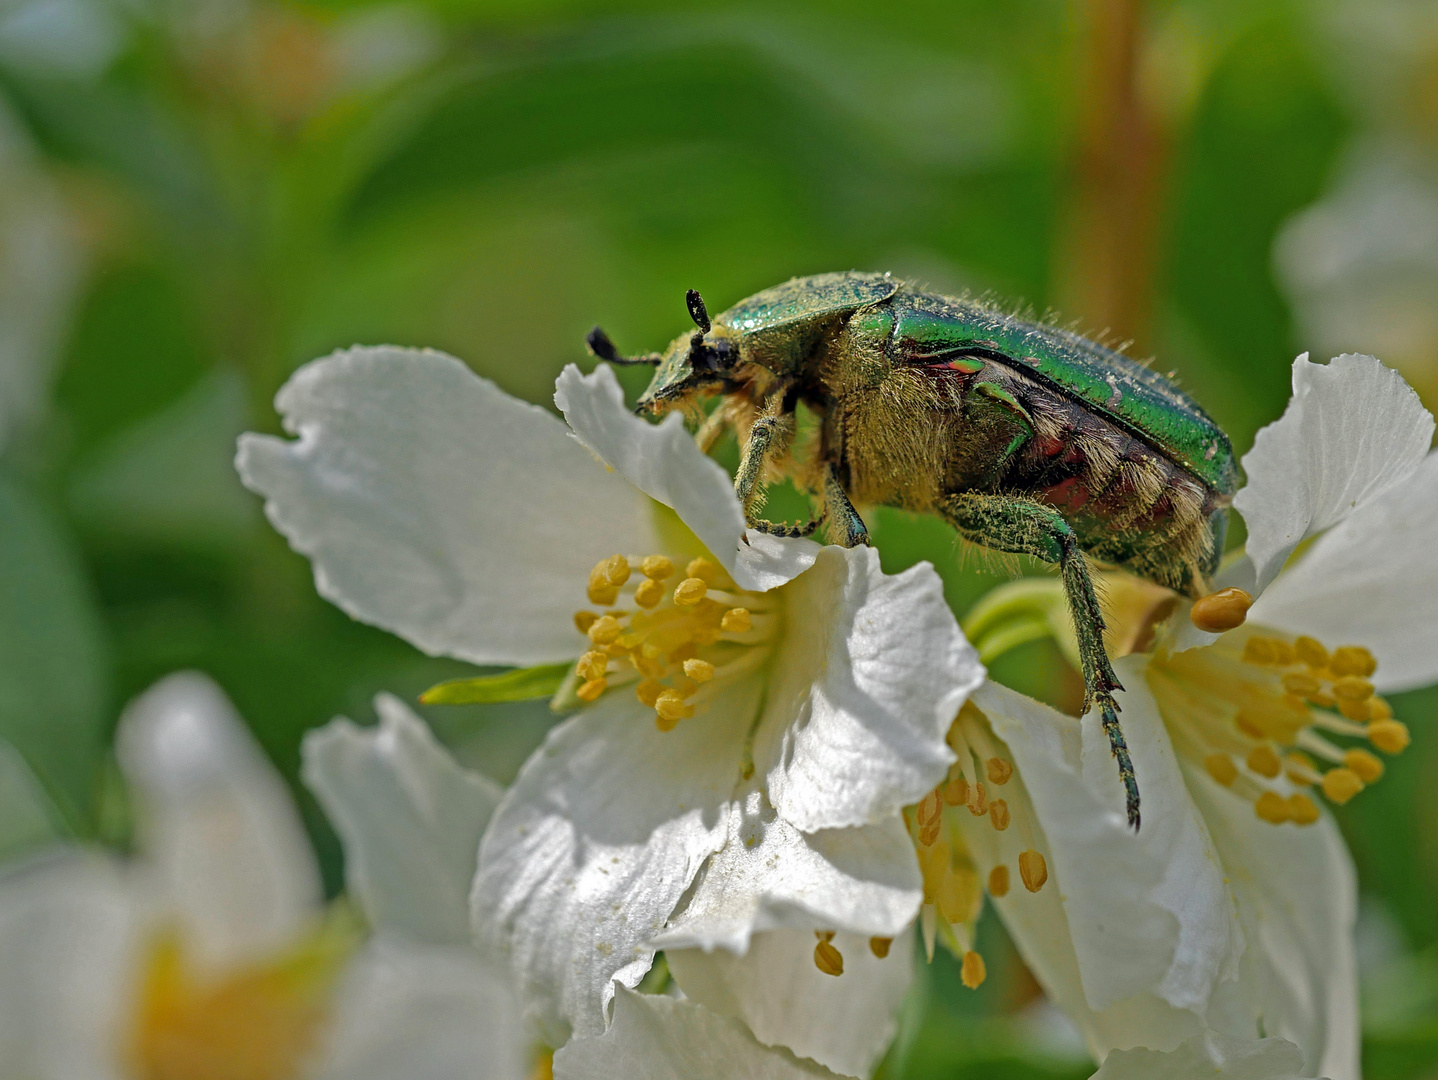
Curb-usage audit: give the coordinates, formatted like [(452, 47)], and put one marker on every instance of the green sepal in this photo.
[(1020, 612), (521, 684)]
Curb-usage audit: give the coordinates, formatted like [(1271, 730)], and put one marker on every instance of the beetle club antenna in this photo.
[(698, 312), (600, 345)]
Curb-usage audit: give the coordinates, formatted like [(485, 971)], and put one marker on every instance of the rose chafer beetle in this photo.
[(1024, 437)]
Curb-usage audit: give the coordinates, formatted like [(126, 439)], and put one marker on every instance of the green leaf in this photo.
[(521, 684), (54, 668)]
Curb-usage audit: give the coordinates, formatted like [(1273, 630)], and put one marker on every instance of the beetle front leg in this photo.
[(769, 435), (1029, 528)]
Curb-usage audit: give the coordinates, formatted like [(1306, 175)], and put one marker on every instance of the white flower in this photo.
[(210, 953), (1233, 908), (750, 734), (1209, 1056)]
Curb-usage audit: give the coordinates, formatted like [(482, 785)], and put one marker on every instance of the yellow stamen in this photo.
[(616, 569), (978, 799), (1221, 611), (591, 690), (999, 881), (1366, 765), (1301, 683), (648, 691), (827, 958), (1341, 784), (929, 808), (1352, 660), (1359, 711), (583, 620), (701, 671), (1301, 809), (999, 814), (1033, 870), (956, 788), (649, 593), (669, 708), (1311, 652), (879, 946), (702, 569), (1379, 709), (690, 591), (606, 630), (1272, 808), (1221, 768), (1390, 736), (972, 971), (736, 621), (600, 589), (998, 770), (656, 567), (592, 665), (958, 896), (1263, 760), (1352, 688)]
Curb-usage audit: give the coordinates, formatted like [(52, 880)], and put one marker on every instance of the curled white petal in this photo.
[(436, 506), (1209, 1056), (1352, 430), (410, 819)]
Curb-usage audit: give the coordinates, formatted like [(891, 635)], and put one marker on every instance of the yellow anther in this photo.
[(1379, 709), (1264, 761), (700, 671), (648, 593), (605, 630), (978, 800), (1033, 870), (1341, 784), (656, 567), (591, 690), (958, 895), (1352, 660), (616, 569), (1311, 652), (690, 591), (1301, 683), (1323, 700), (828, 959), (1272, 808), (1352, 688), (592, 665), (1390, 736), (1221, 611), (1221, 768), (703, 569), (879, 946), (670, 708), (1368, 767), (956, 789), (929, 809), (648, 691), (1284, 654), (999, 881), (998, 770), (1259, 650), (736, 621), (1357, 711), (583, 620), (601, 592), (999, 814), (972, 971), (1301, 809), (929, 833)]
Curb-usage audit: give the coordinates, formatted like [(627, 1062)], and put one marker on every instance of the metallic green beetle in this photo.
[(1025, 437)]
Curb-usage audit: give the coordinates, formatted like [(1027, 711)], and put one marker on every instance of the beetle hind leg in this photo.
[(1029, 528), (778, 528), (846, 527)]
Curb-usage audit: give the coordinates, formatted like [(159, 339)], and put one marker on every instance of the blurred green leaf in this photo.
[(27, 818), (522, 684), (54, 679)]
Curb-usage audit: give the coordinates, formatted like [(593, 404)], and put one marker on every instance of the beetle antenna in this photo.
[(697, 311), (600, 345)]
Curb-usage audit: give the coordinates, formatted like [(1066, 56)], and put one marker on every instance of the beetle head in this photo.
[(694, 362)]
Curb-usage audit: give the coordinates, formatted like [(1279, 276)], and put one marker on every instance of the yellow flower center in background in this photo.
[(258, 1022), (700, 630), (1256, 706)]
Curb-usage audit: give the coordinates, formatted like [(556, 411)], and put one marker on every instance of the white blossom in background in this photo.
[(753, 713), (209, 953), (1232, 910)]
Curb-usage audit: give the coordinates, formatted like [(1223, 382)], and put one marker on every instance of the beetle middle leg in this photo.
[(1025, 527), (769, 435), (846, 527)]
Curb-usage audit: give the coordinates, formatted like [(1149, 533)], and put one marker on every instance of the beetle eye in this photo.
[(716, 357)]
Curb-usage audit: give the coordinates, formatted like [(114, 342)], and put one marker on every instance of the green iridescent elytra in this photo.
[(1025, 437)]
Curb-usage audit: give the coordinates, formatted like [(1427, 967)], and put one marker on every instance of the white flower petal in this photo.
[(438, 507), (423, 1013), (871, 673), (1371, 580), (1353, 430), (1297, 898), (663, 461), (591, 849), (845, 1023), (216, 822), (69, 939), (410, 819), (771, 875), (1210, 1056), (658, 1038), (1149, 911)]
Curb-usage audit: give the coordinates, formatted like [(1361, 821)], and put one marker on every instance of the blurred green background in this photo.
[(198, 196)]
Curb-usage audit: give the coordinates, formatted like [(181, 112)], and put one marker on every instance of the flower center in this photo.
[(260, 1022), (1266, 713), (954, 887), (701, 630)]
